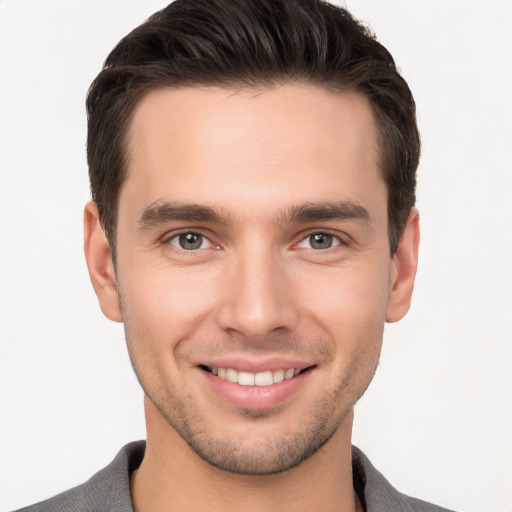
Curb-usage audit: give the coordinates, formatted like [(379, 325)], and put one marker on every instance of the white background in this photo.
[(437, 421)]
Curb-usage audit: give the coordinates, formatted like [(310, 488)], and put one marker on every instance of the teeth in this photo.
[(288, 374), (278, 376), (266, 378), (246, 378), (231, 375)]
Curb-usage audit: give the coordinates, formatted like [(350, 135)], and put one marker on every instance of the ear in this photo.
[(403, 269), (99, 263)]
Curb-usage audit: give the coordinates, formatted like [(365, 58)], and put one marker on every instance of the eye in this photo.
[(189, 241), (320, 241)]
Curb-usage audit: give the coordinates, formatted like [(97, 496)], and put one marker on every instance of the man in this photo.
[(252, 169)]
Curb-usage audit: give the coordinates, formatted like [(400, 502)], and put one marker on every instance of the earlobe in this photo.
[(100, 264), (403, 271)]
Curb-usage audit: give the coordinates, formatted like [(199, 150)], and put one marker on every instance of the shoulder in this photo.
[(107, 491), (378, 495)]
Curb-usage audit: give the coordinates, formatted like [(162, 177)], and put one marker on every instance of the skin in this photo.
[(256, 288)]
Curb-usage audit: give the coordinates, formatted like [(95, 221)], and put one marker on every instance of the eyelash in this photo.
[(166, 240), (340, 241)]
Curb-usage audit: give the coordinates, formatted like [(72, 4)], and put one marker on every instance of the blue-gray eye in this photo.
[(320, 241), (189, 241)]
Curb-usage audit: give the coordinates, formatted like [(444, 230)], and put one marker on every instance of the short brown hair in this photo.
[(233, 43)]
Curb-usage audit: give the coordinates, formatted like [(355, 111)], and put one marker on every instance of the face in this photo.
[(253, 267)]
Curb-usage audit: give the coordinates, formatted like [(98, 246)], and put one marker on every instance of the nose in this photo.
[(257, 297)]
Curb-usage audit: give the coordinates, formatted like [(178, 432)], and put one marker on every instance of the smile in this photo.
[(256, 385), (265, 378)]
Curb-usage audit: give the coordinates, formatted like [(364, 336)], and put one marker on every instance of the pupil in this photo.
[(321, 241), (191, 241)]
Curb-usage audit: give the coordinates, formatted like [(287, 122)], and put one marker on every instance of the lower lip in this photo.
[(256, 397)]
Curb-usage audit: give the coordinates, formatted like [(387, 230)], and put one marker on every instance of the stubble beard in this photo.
[(248, 454), (253, 454), (256, 454)]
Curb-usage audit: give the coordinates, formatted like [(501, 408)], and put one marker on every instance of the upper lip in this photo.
[(256, 365)]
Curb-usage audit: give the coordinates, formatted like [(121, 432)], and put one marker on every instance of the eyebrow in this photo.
[(310, 212), (160, 213)]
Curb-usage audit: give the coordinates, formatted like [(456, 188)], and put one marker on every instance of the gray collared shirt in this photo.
[(109, 489)]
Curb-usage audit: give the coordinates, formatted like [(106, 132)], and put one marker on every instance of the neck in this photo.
[(172, 477)]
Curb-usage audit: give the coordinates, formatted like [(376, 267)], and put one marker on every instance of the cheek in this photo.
[(350, 299), (349, 306), (164, 305), (159, 312)]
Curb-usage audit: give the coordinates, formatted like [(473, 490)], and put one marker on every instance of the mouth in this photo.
[(262, 379)]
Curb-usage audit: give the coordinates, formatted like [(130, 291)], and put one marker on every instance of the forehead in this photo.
[(208, 145)]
